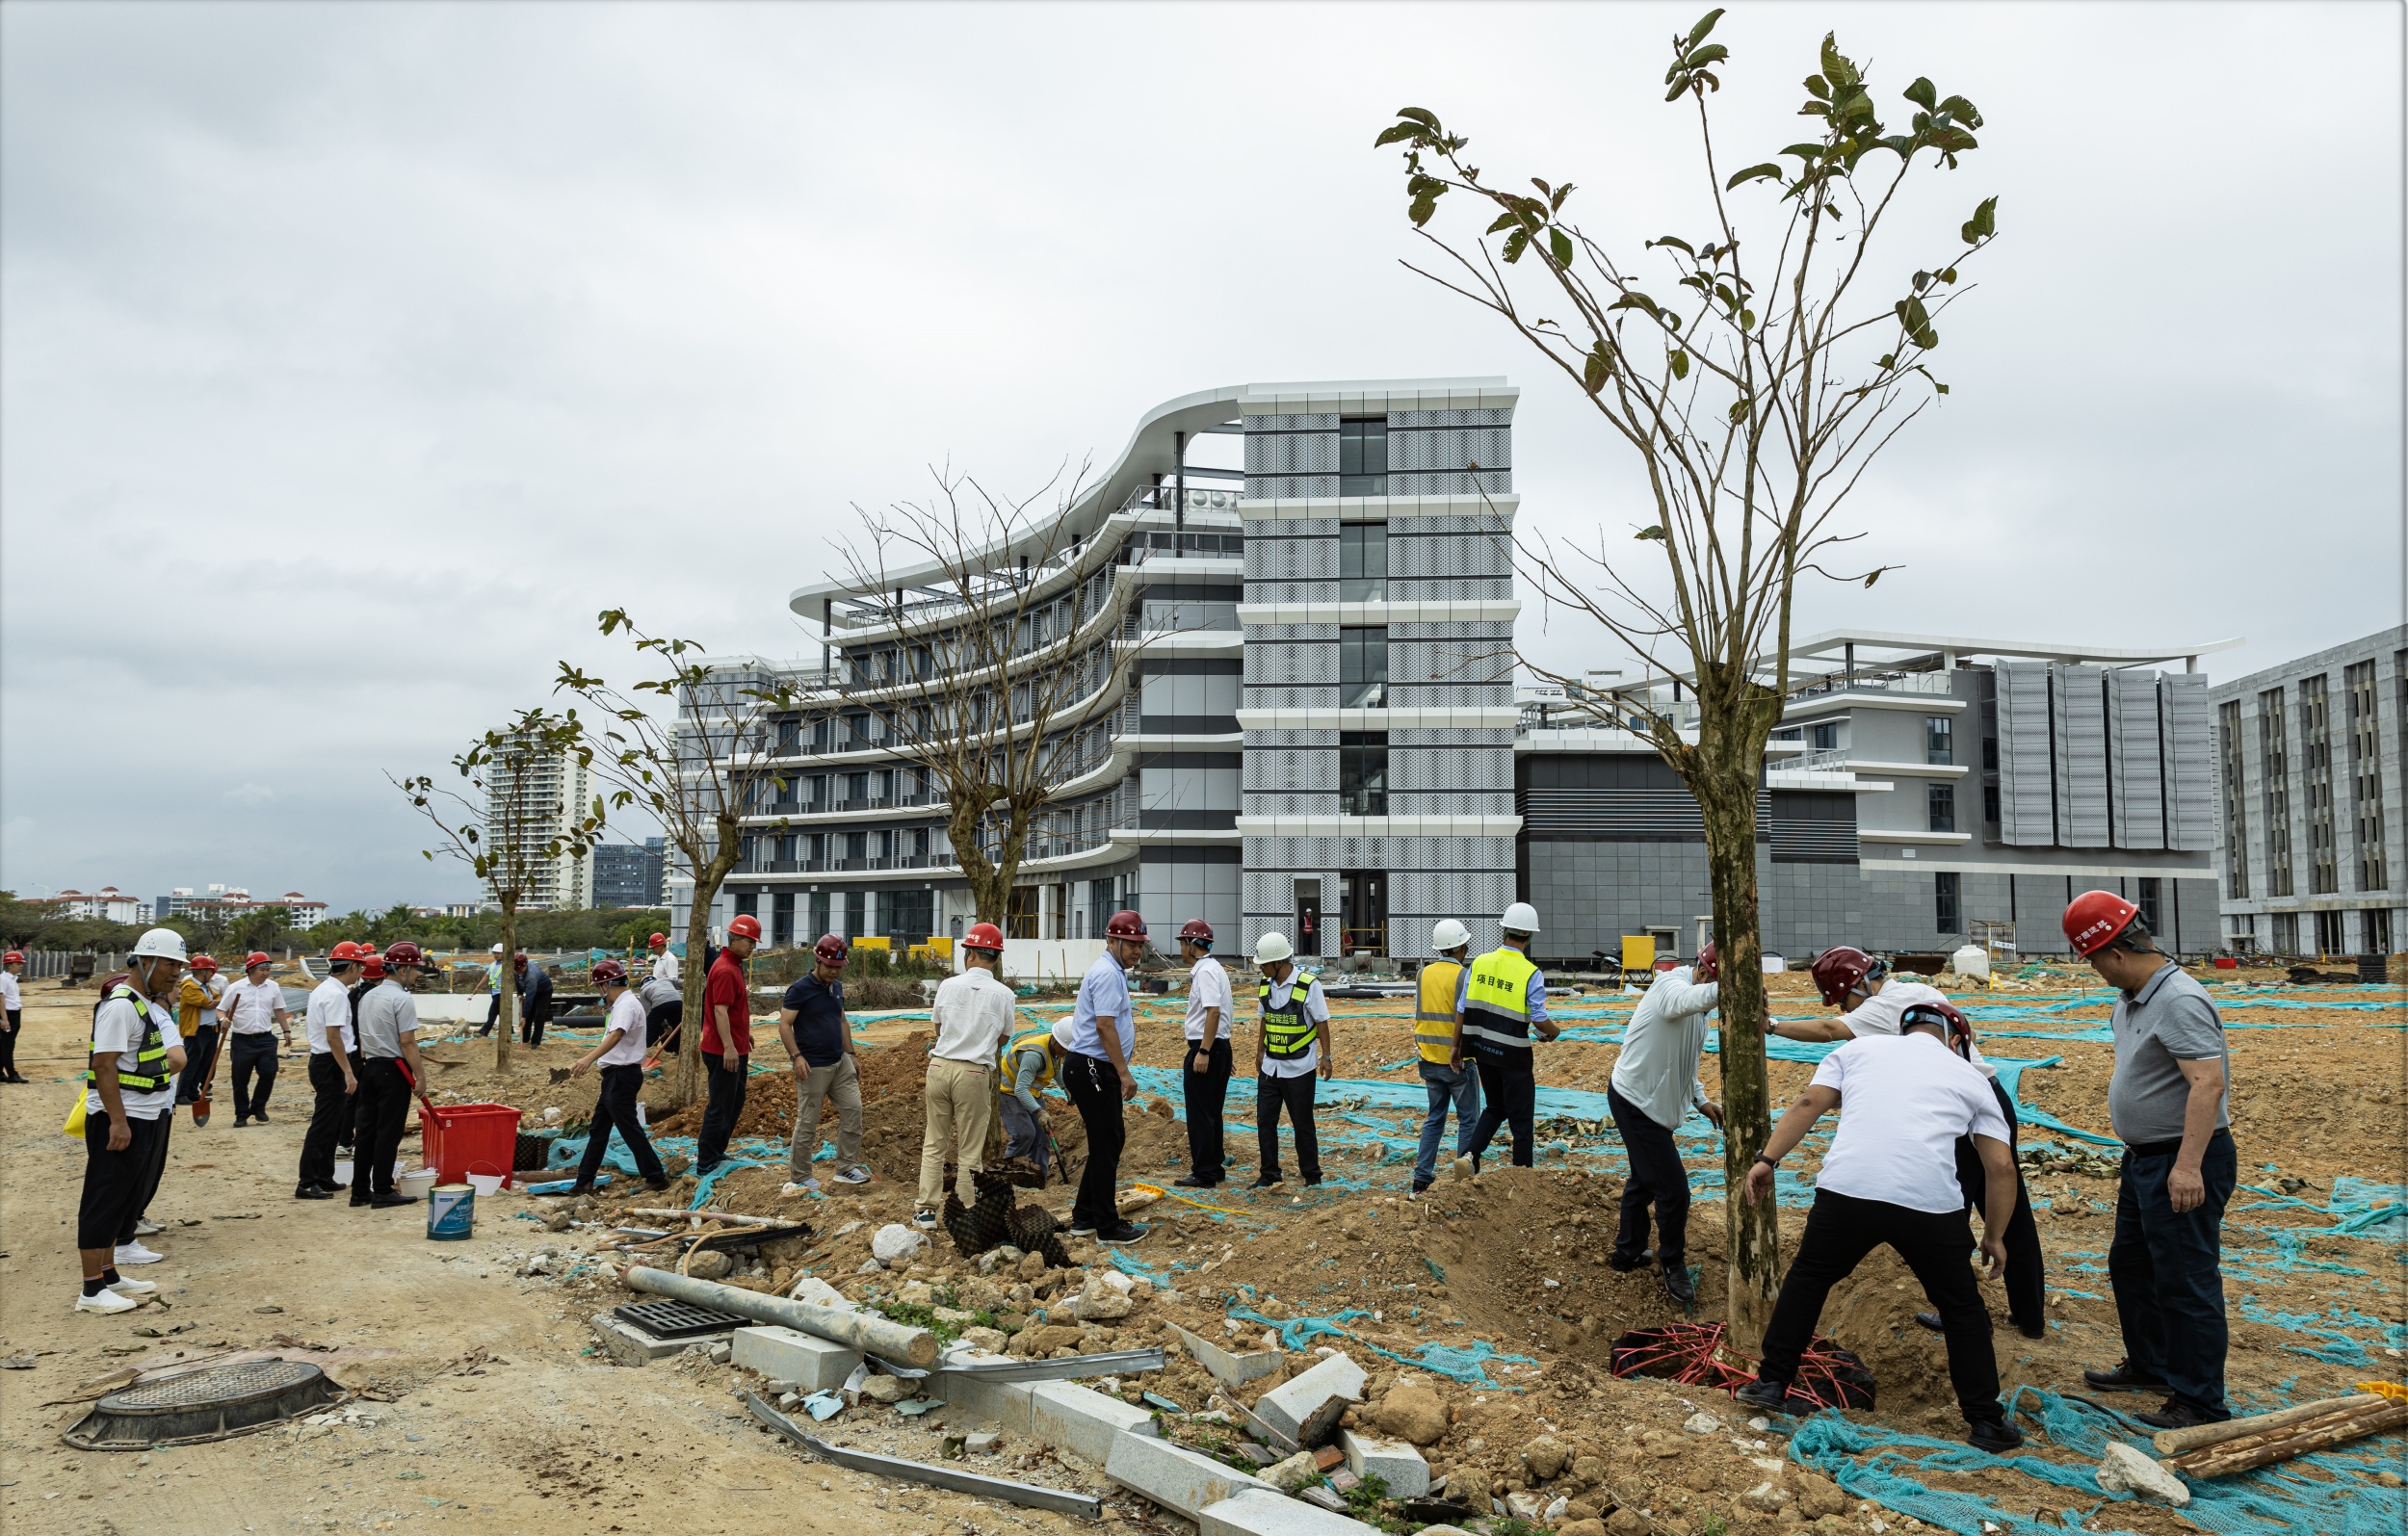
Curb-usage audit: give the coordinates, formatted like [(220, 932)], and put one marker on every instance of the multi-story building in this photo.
[(628, 873), (224, 901), (550, 794), (2313, 843), (106, 904), (1920, 790)]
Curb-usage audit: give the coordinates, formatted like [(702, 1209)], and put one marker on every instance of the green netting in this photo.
[(1463, 1363)]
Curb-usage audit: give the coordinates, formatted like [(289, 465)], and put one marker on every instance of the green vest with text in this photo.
[(1287, 1033), (1496, 1004)]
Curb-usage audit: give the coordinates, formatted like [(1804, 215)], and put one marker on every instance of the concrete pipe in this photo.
[(866, 1331)]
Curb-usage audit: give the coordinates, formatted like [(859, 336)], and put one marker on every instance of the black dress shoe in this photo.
[(1773, 1397), (656, 1185), (1267, 1181), (1623, 1266), (1189, 1181), (1676, 1285), (261, 1117), (2177, 1413), (388, 1202), (2123, 1378), (1994, 1435), (310, 1191)]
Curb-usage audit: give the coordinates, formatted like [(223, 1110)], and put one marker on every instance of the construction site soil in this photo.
[(1489, 1301)]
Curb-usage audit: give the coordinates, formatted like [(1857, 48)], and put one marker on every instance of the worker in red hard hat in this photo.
[(1873, 1002), (2169, 1103), (665, 964), (819, 1044), (326, 1025), (1655, 1086), (390, 1068), (726, 1042), (11, 967), (1099, 1040), (620, 1056), (251, 1011), (1211, 1008), (196, 1000), (371, 972), (973, 1013)]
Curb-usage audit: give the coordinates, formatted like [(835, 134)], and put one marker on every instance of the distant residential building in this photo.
[(547, 798), (2312, 833), (629, 873), (227, 901), (107, 905)]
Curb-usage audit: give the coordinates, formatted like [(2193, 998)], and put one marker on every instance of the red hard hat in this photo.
[(1125, 924), (983, 936), (743, 926), (1837, 971), (201, 962), (1195, 930), (256, 958), (519, 961), (403, 952), (658, 941), (373, 965), (1954, 1023), (609, 973), (832, 950), (12, 958), (2096, 917), (344, 949), (1709, 964)]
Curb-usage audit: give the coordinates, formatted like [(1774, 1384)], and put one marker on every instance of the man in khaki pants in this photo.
[(811, 1022), (973, 1015)]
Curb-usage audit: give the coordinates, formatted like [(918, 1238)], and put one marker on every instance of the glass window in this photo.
[(1944, 902), (1942, 799), (2147, 902), (1363, 773), (1939, 744), (857, 787), (1362, 563), (1990, 803), (882, 844), (1826, 737), (1363, 456), (1363, 668)]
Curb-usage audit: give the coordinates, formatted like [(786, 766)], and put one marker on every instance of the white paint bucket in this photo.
[(488, 1184), (415, 1183)]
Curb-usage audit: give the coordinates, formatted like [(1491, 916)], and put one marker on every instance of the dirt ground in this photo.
[(526, 1430)]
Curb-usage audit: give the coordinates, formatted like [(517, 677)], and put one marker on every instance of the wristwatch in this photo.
[(1769, 1163)]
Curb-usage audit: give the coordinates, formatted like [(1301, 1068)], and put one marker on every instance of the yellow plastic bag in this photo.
[(74, 1125)]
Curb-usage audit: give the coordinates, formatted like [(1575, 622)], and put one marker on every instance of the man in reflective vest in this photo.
[(1501, 997), (135, 1056), (1291, 1042), (1029, 1061), (1446, 1080)]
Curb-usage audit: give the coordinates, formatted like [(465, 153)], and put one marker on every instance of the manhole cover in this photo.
[(199, 1405), (677, 1319)]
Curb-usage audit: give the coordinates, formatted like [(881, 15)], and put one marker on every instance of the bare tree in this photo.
[(698, 768), (1753, 393), (512, 823), (993, 675)]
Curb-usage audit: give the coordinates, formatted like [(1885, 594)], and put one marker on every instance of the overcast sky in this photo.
[(352, 356)]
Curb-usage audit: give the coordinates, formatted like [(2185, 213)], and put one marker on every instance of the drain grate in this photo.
[(677, 1319), (202, 1405)]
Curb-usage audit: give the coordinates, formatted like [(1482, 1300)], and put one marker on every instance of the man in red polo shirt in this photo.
[(727, 1040)]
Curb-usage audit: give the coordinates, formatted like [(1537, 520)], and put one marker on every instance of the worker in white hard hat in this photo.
[(1500, 1001), (136, 1053), (1447, 1080), (1291, 1040), (494, 989)]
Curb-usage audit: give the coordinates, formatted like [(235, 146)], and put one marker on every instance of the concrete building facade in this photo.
[(547, 796), (2311, 846)]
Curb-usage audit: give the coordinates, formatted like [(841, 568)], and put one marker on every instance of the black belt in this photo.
[(2167, 1149)]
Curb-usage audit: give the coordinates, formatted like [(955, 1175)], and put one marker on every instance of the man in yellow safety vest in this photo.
[(1029, 1061), (1446, 1080), (1501, 999), (1293, 1041)]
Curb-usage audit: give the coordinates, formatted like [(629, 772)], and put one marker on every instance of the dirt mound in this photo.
[(897, 1070)]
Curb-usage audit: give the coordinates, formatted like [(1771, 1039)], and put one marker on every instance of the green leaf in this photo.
[(1814, 108), (1705, 24), (1917, 322), (1752, 173), (1835, 66), (1560, 244), (1710, 53), (1947, 274), (1874, 577), (1596, 368), (1816, 86), (1963, 111), (1674, 95), (1635, 300), (1747, 320), (1656, 533), (1423, 205), (1515, 244), (1402, 130), (1924, 93), (1418, 115), (1739, 407), (1675, 241), (1808, 152), (1889, 359), (1983, 224), (1680, 365)]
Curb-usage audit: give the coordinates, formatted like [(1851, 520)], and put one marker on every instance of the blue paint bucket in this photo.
[(450, 1212)]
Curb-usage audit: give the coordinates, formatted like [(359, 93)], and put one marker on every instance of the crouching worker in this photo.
[(620, 1056), (136, 1055), (1891, 1178), (1029, 1061)]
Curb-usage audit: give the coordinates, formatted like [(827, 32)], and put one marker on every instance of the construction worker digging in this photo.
[(1654, 1087)]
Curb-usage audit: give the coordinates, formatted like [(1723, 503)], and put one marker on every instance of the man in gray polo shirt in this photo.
[(389, 1072), (2169, 1102)]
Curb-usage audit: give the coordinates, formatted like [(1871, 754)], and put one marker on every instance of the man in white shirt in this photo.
[(1291, 1041), (664, 959), (1655, 1086), (1205, 1084), (11, 967), (254, 1010), (1891, 1178), (974, 1013), (327, 1025), (620, 1056), (135, 1056)]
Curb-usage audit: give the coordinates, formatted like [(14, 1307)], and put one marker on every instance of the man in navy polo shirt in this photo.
[(811, 1022)]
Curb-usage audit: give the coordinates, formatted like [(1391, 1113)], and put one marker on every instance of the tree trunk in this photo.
[(691, 978), (505, 1030), (1724, 780)]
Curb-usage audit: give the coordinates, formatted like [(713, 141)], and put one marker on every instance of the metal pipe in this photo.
[(863, 1331), (1027, 1494)]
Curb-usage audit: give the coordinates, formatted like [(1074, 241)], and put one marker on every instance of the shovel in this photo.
[(201, 1102)]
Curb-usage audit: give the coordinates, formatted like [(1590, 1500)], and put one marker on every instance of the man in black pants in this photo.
[(1291, 1043), (535, 1001), (132, 1061), (1891, 1178), (1654, 1089), (256, 1026), (2026, 1272), (1097, 1041), (664, 1013), (371, 972), (726, 1042), (326, 1025), (11, 967), (389, 1069), (1500, 1001), (620, 1056), (1205, 1082)]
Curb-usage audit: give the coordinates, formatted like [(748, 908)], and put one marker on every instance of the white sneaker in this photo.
[(105, 1302), (147, 1228), (135, 1287), (134, 1253), (857, 1174), (806, 1188)]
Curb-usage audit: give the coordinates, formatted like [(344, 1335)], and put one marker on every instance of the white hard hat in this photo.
[(1448, 934), (159, 944), (1521, 918), (1271, 947), (497, 948)]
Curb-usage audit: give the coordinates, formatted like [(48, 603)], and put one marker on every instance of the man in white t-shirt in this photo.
[(254, 1011), (326, 1023), (620, 1056), (11, 967), (135, 1056), (1205, 1084), (974, 1013), (1891, 1178), (1291, 1042)]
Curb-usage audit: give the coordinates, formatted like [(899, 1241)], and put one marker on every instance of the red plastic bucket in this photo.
[(458, 1136)]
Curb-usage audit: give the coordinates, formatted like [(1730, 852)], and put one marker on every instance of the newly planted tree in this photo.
[(1752, 366), (510, 824)]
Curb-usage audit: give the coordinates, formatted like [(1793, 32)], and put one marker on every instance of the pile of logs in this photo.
[(2237, 1445)]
